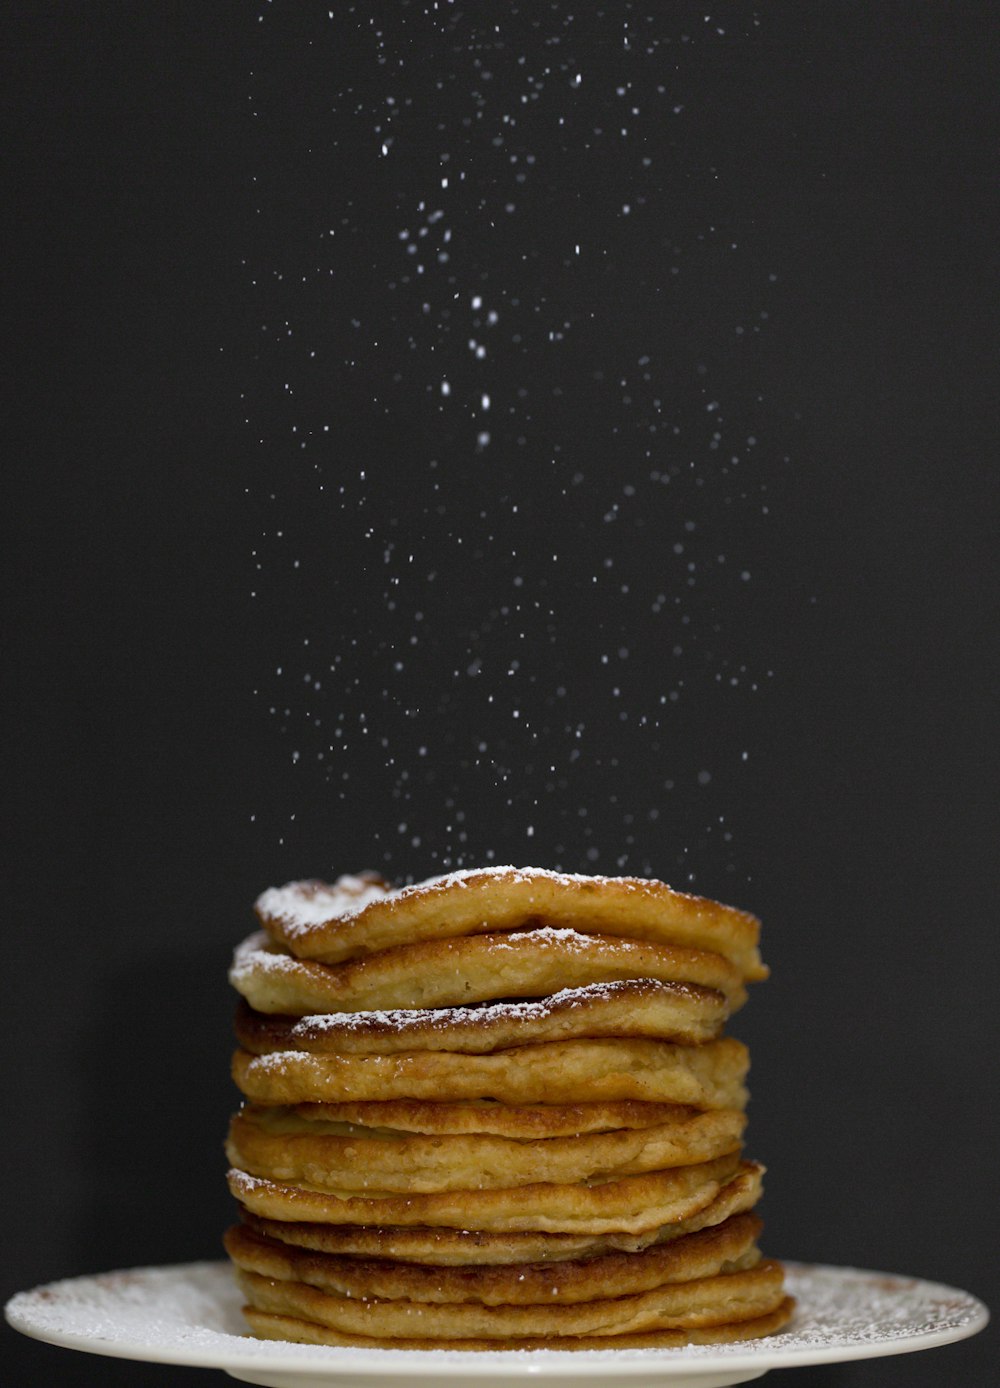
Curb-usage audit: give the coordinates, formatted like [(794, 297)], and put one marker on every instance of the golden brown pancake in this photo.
[(505, 1120), (363, 914), (630, 1007), (445, 1248), (268, 1325), (706, 1301), (630, 1204), (565, 1072), (280, 1144), (727, 1247), (471, 969)]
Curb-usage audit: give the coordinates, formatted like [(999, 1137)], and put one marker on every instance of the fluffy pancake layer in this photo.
[(707, 1301), (639, 1007), (476, 968), (562, 1072), (442, 1247), (282, 1145), (267, 1325), (727, 1247), (630, 1204), (488, 1116), (359, 915)]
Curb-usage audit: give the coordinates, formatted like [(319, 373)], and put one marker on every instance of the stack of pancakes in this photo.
[(496, 1110)]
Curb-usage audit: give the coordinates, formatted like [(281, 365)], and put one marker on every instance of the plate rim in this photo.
[(313, 1361)]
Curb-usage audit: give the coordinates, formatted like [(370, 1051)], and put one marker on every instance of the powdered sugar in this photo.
[(256, 955), (302, 906), (194, 1305), (518, 874), (545, 935), (403, 1019)]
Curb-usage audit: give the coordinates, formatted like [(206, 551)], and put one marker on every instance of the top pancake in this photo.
[(361, 915)]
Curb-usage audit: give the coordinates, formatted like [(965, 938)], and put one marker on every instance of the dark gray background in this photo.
[(851, 156)]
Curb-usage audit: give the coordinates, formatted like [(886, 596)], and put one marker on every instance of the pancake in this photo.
[(707, 1301), (446, 1248), (632, 1007), (477, 968), (565, 1072), (268, 1325), (359, 915), (727, 1247), (630, 1204), (283, 1146), (496, 1110), (505, 1120)]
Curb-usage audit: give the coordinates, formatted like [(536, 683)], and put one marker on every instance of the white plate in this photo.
[(189, 1314)]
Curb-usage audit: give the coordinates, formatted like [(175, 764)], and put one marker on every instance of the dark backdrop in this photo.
[(716, 599)]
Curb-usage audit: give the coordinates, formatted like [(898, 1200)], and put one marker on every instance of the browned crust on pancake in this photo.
[(709, 1076), (270, 1326), (708, 1301), (458, 1247), (708, 1253), (283, 1146), (476, 968), (631, 1204), (505, 1120), (505, 899), (679, 1012)]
